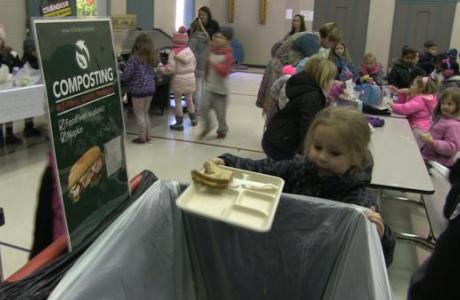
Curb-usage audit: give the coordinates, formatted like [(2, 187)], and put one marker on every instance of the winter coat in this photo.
[(402, 75), (301, 177), (181, 64), (376, 73), (446, 141), (218, 69), (426, 62), (139, 77), (418, 109), (296, 47), (453, 81), (10, 58), (198, 43), (288, 127)]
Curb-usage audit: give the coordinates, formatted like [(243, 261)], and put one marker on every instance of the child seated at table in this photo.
[(442, 141), (371, 70), (336, 165), (418, 102), (340, 56)]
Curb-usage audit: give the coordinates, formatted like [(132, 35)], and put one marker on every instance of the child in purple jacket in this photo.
[(140, 77), (442, 142)]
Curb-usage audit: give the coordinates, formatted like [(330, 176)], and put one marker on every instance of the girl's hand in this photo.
[(426, 137), (376, 218), (218, 161)]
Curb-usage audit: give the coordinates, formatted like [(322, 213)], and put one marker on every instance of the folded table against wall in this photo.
[(317, 249)]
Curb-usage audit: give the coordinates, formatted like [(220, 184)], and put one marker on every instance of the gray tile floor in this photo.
[(172, 155)]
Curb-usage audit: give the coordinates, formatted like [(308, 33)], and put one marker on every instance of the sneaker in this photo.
[(12, 140), (138, 141), (221, 135), (194, 121), (147, 138), (32, 132)]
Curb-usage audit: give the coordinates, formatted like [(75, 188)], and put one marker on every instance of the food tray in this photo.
[(250, 201)]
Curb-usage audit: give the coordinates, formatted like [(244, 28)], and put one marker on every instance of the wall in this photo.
[(455, 39), (380, 28), (165, 15), (258, 39), (13, 17), (118, 7)]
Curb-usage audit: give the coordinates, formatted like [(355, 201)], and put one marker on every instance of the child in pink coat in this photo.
[(182, 64), (418, 102), (442, 142)]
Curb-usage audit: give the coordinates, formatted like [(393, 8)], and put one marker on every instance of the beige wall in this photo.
[(13, 17), (118, 7), (258, 39), (379, 33), (200, 3), (165, 15), (455, 39)]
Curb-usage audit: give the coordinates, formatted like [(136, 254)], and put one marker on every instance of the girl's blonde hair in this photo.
[(321, 70), (346, 53), (144, 50), (352, 126), (424, 85), (454, 94), (330, 31), (370, 56)]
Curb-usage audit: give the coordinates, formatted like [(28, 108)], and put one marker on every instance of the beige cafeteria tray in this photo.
[(250, 201)]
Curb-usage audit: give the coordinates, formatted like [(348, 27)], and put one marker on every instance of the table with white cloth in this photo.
[(17, 103)]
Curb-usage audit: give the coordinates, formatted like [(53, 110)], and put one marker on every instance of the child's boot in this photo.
[(193, 119), (179, 124)]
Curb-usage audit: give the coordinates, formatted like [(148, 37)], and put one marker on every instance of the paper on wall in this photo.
[(289, 14), (308, 15)]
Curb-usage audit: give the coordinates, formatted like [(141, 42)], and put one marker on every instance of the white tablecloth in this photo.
[(17, 103)]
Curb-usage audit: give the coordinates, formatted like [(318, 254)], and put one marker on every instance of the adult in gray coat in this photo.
[(199, 43)]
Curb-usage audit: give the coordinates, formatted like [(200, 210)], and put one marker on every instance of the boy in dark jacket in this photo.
[(426, 61), (405, 69)]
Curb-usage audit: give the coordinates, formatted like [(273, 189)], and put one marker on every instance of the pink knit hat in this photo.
[(2, 33), (180, 38)]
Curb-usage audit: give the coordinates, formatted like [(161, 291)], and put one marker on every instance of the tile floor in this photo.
[(171, 155)]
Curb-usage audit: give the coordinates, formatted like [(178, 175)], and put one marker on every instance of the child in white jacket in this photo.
[(182, 64)]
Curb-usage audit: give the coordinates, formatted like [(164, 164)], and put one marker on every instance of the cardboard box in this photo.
[(124, 22)]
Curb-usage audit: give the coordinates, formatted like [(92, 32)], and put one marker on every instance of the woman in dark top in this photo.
[(209, 25)]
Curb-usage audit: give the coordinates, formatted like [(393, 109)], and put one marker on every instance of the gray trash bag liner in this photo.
[(141, 255), (316, 249)]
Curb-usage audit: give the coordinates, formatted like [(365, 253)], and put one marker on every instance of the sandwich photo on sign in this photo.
[(85, 172)]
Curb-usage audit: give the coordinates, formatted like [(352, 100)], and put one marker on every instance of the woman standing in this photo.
[(297, 25), (208, 24)]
